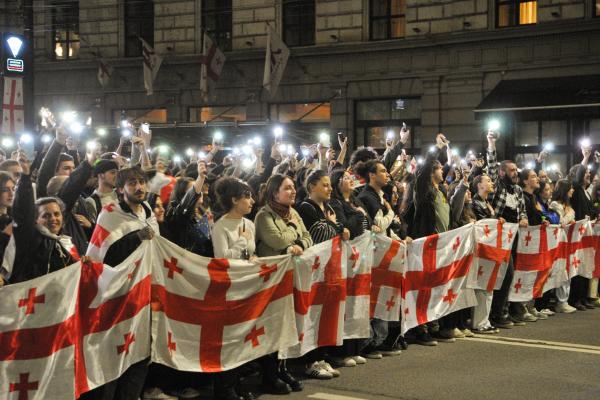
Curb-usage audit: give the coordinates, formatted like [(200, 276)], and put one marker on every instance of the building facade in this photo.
[(361, 67)]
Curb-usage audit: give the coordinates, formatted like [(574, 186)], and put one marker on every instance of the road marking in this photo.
[(329, 396), (539, 344)]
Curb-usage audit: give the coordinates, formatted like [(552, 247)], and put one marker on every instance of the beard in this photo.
[(134, 199)]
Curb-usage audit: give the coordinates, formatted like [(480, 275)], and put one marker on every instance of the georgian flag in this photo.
[(212, 63), (580, 248), (493, 244), (112, 224), (590, 267), (152, 62), (105, 72), (275, 61), (540, 264), (435, 277), (75, 329), (359, 257), (389, 259), (212, 315), (12, 106)]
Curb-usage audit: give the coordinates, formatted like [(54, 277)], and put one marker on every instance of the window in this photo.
[(139, 23), (387, 19), (299, 22), (597, 8), (218, 114), (515, 12), (304, 112), (216, 21), (65, 30), (152, 116), (375, 118)]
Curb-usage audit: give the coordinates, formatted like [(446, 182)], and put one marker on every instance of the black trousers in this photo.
[(500, 300)]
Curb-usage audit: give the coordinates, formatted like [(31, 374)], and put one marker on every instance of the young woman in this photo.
[(561, 204), (7, 191), (544, 196), (279, 230)]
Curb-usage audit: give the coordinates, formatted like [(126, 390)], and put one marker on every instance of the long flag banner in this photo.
[(73, 330)]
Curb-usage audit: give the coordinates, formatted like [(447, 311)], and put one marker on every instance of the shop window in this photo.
[(65, 30), (515, 12), (151, 116), (217, 21), (299, 22), (139, 23), (218, 114), (304, 112), (387, 19)]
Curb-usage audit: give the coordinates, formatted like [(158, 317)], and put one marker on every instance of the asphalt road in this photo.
[(558, 358)]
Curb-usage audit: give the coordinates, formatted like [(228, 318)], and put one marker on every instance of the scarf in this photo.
[(283, 211)]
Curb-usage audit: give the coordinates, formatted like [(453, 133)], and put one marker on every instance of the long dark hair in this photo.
[(423, 189), (227, 189), (363, 169), (336, 177), (180, 189), (273, 185), (561, 192), (314, 178)]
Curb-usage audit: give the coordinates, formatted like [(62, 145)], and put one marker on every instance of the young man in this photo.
[(508, 203), (104, 194)]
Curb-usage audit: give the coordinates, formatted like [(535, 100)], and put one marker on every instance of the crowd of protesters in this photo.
[(218, 205)]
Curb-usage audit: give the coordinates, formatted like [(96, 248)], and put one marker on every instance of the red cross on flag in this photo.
[(493, 244), (435, 277), (212, 315), (12, 106), (359, 258), (112, 224), (590, 266), (319, 298), (275, 61), (581, 242), (389, 257), (212, 62), (152, 62), (63, 334), (540, 264)]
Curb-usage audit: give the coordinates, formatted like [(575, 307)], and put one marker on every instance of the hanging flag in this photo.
[(275, 61), (540, 264), (493, 244), (212, 63), (435, 277), (12, 106), (105, 72), (152, 63)]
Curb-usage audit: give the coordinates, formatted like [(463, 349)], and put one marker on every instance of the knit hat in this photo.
[(102, 166)]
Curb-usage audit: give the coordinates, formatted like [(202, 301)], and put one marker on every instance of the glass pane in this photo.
[(156, 116), (379, 8), (505, 15), (556, 162), (555, 132), (293, 112), (398, 7), (528, 13), (527, 134), (376, 136), (74, 50), (222, 114), (59, 51), (398, 27), (594, 131), (597, 8), (404, 109), (373, 110)]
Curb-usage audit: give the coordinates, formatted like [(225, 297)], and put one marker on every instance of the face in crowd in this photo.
[(380, 178), (243, 205), (510, 173), (134, 190), (321, 190), (159, 210), (532, 181), (109, 178), (486, 185), (50, 216), (7, 193), (286, 194), (65, 168)]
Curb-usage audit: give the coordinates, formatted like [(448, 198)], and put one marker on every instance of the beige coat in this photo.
[(274, 236)]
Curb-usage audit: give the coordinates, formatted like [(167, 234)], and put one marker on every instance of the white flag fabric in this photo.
[(212, 315), (70, 331), (275, 61), (435, 277), (540, 264), (12, 106), (212, 64), (493, 244), (590, 267), (105, 72), (359, 259), (152, 62), (389, 258), (578, 249)]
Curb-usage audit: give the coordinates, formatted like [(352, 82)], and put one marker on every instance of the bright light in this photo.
[(257, 140), (455, 152), (529, 165), (549, 146), (46, 138), (7, 142), (68, 116), (26, 138), (44, 112), (145, 127), (76, 128), (278, 131), (91, 145), (420, 160), (431, 149), (290, 149), (125, 132), (247, 163), (585, 143), (554, 167), (218, 136), (470, 152), (323, 137), (189, 152), (88, 122), (236, 151), (15, 45), (124, 123), (201, 155), (493, 125), (163, 149), (101, 131), (246, 149), (177, 158), (282, 147), (305, 152), (390, 135)]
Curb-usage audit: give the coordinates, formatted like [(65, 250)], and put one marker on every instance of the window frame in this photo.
[(517, 17), (131, 36), (301, 27), (66, 28), (388, 17), (222, 36)]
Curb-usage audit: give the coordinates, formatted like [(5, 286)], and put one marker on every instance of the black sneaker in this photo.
[(425, 339), (401, 343), (276, 386), (288, 378)]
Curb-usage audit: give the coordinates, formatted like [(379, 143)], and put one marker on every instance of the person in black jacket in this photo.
[(377, 208)]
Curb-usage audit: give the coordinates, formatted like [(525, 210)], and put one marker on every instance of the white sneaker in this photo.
[(467, 332), (315, 371), (343, 362), (359, 360), (564, 308), (547, 312), (327, 367), (156, 394)]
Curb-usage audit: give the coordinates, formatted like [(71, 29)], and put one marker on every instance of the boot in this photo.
[(288, 378)]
